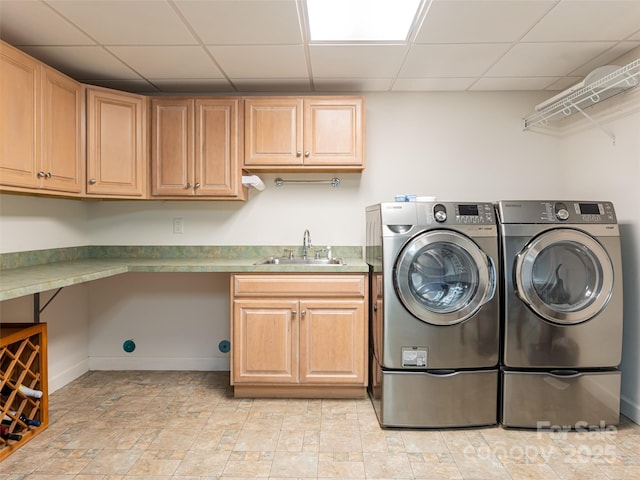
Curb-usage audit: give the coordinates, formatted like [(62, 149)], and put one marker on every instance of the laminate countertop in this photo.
[(27, 280)]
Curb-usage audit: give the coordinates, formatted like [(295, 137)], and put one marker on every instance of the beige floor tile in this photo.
[(207, 434), (202, 463), (295, 464), (290, 441), (625, 472), (392, 465), (257, 440), (112, 462), (340, 441), (249, 469), (424, 441), (436, 471), (374, 441), (341, 469), (531, 471), (573, 471)]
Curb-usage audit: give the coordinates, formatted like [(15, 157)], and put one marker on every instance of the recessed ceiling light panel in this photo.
[(361, 20)]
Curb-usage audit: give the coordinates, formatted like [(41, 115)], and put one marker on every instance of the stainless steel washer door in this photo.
[(443, 278), (565, 276)]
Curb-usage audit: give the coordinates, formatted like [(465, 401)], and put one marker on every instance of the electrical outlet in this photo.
[(178, 225)]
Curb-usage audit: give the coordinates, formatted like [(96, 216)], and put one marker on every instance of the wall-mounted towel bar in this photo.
[(334, 182)]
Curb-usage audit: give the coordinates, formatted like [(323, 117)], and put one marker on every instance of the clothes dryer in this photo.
[(562, 293), (435, 313)]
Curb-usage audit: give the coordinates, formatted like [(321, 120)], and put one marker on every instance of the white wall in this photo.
[(34, 223), (606, 171), (176, 321), (67, 330), (456, 146)]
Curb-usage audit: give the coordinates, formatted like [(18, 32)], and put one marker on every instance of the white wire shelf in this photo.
[(616, 82)]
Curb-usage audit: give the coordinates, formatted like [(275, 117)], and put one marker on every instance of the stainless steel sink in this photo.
[(300, 261)]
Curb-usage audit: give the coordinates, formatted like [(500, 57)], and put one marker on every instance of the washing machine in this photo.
[(562, 294), (435, 313)]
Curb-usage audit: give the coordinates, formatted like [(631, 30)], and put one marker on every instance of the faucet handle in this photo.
[(289, 252), (319, 251)]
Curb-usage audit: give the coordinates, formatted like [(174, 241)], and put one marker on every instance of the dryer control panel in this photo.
[(575, 212)]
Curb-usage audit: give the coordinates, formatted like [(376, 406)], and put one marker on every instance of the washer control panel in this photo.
[(450, 213)]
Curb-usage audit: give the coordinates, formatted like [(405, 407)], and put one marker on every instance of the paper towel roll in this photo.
[(253, 181)]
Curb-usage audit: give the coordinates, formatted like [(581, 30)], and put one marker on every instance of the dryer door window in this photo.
[(443, 278), (565, 276)]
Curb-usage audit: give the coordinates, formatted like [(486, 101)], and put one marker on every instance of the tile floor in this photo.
[(187, 425)]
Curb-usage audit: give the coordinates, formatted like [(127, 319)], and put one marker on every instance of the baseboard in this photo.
[(630, 408), (61, 379), (158, 363)]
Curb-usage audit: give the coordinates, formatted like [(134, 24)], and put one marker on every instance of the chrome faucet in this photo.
[(306, 243)]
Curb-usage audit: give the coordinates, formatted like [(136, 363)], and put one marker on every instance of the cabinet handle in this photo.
[(293, 313), (41, 174), (93, 181), (303, 313), (196, 186), (48, 175), (375, 308), (298, 153), (306, 154), (188, 185)]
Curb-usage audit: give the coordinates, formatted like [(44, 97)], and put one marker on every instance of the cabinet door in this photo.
[(20, 127), (332, 341), (116, 157), (62, 157), (265, 341), (172, 139), (217, 161), (273, 134), (333, 132)]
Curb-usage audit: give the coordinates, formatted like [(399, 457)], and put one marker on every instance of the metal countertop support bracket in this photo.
[(37, 310)]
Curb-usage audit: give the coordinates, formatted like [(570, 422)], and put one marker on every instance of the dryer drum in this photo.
[(564, 276)]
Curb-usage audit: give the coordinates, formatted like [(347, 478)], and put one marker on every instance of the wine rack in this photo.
[(23, 362)]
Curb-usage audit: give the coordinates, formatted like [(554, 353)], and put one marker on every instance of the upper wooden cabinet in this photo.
[(116, 144), (41, 114), (304, 134), (196, 148)]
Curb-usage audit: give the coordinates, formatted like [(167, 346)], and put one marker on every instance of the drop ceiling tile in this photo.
[(131, 22), (352, 85), (467, 60), (546, 59), (513, 83), (243, 23), (272, 85), (431, 84), (261, 61), (608, 57), (563, 83), (189, 85), (360, 61), (45, 26), (587, 20), (83, 62), (480, 21), (168, 62)]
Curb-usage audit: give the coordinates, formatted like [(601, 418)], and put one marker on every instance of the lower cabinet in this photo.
[(298, 335)]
